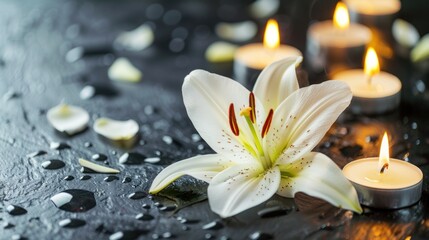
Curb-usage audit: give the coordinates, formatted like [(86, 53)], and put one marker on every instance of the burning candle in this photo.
[(337, 44), (377, 13), (385, 182), (250, 59), (374, 92)]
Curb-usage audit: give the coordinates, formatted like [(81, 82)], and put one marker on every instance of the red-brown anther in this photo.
[(233, 121), (267, 123), (252, 105)]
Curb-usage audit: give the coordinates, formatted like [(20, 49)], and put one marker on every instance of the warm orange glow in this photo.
[(372, 66), (272, 35), (341, 16), (384, 153)]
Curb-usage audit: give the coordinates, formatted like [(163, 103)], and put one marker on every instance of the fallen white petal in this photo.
[(421, 50), (264, 8), (405, 33), (137, 39), (67, 118), (123, 70), (220, 52), (318, 176), (238, 32), (95, 167), (116, 130)]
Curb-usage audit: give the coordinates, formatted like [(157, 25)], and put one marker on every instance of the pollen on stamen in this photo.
[(252, 107), (267, 123), (233, 120)]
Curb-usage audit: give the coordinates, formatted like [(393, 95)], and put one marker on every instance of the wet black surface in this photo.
[(35, 75)]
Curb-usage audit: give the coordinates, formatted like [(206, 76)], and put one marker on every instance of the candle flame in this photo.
[(341, 16), (372, 66), (383, 160), (272, 35)]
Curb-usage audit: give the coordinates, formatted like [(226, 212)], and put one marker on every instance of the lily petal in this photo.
[(276, 82), (208, 109), (305, 117), (241, 187), (203, 167), (318, 176)]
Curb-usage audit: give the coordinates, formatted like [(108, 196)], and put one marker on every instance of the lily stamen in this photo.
[(233, 120), (267, 123), (252, 107)]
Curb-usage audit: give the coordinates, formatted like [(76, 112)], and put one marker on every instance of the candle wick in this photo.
[(369, 79), (385, 166)]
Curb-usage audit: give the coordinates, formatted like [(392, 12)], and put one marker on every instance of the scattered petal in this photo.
[(137, 39), (264, 8), (220, 52), (68, 119), (405, 33), (421, 50), (123, 70), (96, 167), (237, 32), (116, 130)]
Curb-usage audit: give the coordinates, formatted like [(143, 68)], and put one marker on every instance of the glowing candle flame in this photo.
[(272, 35), (341, 16), (383, 160), (372, 66)]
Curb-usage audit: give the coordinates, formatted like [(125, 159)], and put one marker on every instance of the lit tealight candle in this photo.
[(385, 182), (374, 92), (250, 59), (378, 13), (337, 44)]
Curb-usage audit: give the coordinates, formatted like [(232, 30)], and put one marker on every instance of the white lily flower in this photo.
[(263, 139)]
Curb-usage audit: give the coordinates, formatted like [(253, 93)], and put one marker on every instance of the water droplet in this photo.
[(7, 225), (17, 237), (53, 164), (414, 125), (74, 54), (58, 145), (144, 217), (99, 157), (158, 204), (200, 147), (137, 195), (71, 223), (74, 200), (126, 235), (187, 221), (152, 160), (196, 137), (158, 153), (36, 153), (167, 139), (149, 110), (87, 92), (167, 235), (86, 170), (132, 158), (208, 236), (260, 236), (110, 178), (85, 177), (215, 225), (167, 208), (88, 144), (126, 180), (172, 17), (68, 178), (15, 210), (146, 206), (273, 212)]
